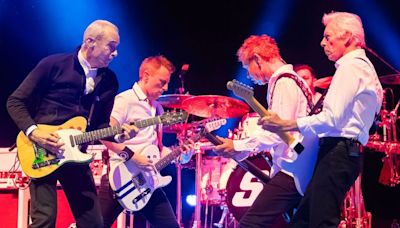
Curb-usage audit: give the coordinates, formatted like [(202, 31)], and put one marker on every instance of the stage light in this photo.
[(191, 200)]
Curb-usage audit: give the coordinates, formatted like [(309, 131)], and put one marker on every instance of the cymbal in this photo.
[(323, 83), (391, 79), (173, 100), (215, 106), (176, 128)]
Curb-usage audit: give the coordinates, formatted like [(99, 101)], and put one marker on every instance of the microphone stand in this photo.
[(178, 166)]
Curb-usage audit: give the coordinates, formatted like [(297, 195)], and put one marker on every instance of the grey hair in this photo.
[(347, 22), (96, 29)]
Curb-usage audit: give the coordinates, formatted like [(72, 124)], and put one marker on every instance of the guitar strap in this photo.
[(96, 98), (159, 111), (318, 106), (306, 91), (89, 119)]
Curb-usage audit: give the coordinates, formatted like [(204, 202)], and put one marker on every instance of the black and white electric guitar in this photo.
[(134, 187)]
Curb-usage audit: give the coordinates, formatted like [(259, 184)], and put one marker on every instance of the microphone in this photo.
[(184, 70)]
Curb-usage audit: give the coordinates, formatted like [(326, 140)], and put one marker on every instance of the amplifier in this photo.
[(11, 175)]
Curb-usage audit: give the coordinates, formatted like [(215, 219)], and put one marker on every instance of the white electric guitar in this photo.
[(133, 187)]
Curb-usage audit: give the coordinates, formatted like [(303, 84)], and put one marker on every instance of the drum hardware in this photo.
[(227, 219), (173, 100), (215, 106), (390, 173), (323, 83), (391, 79), (353, 209)]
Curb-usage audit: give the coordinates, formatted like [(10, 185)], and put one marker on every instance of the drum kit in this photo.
[(212, 172), (383, 140)]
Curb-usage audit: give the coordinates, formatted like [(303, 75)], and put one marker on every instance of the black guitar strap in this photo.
[(96, 98)]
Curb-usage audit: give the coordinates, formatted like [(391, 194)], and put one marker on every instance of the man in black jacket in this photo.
[(60, 87)]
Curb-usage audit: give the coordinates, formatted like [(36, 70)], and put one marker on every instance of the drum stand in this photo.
[(390, 174), (227, 219), (197, 209), (178, 193), (353, 211)]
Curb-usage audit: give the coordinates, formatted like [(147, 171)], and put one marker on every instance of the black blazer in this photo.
[(53, 92)]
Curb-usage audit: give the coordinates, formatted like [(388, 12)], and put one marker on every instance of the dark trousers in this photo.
[(277, 197), (158, 210), (78, 184), (335, 173)]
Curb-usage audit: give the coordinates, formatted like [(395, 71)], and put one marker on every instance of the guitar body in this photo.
[(37, 162), (303, 166), (132, 186)]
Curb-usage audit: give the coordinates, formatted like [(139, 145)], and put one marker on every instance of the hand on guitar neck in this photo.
[(226, 149), (128, 132), (272, 122), (280, 127)]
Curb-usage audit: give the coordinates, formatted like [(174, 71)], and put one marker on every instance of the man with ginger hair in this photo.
[(290, 96), (139, 103), (353, 99)]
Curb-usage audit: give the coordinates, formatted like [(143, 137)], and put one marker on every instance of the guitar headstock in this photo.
[(213, 124), (169, 118), (240, 89), (199, 128)]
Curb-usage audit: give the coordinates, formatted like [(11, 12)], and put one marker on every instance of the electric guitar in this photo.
[(134, 187), (246, 92), (37, 162), (246, 164)]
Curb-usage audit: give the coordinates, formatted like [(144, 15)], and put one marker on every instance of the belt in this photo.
[(352, 145), (335, 140)]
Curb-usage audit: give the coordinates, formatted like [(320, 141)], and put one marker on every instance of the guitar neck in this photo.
[(163, 162), (96, 135), (147, 122), (245, 164), (112, 131), (256, 106)]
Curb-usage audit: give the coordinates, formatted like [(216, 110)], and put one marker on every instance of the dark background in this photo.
[(205, 34)]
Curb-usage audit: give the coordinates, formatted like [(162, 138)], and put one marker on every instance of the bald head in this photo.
[(97, 28), (100, 42)]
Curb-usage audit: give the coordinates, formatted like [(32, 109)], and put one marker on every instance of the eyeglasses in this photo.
[(255, 59)]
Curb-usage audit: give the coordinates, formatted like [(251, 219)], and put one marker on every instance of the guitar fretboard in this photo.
[(162, 163), (147, 122), (96, 135), (111, 131)]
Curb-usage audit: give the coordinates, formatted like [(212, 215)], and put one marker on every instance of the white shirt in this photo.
[(132, 105), (289, 102), (353, 99), (89, 72)]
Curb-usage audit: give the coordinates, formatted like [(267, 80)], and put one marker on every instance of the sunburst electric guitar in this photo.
[(37, 162), (134, 187), (246, 92)]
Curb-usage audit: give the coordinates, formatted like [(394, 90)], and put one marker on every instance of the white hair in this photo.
[(96, 29), (347, 22)]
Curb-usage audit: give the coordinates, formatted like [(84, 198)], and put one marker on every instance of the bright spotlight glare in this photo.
[(191, 200)]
